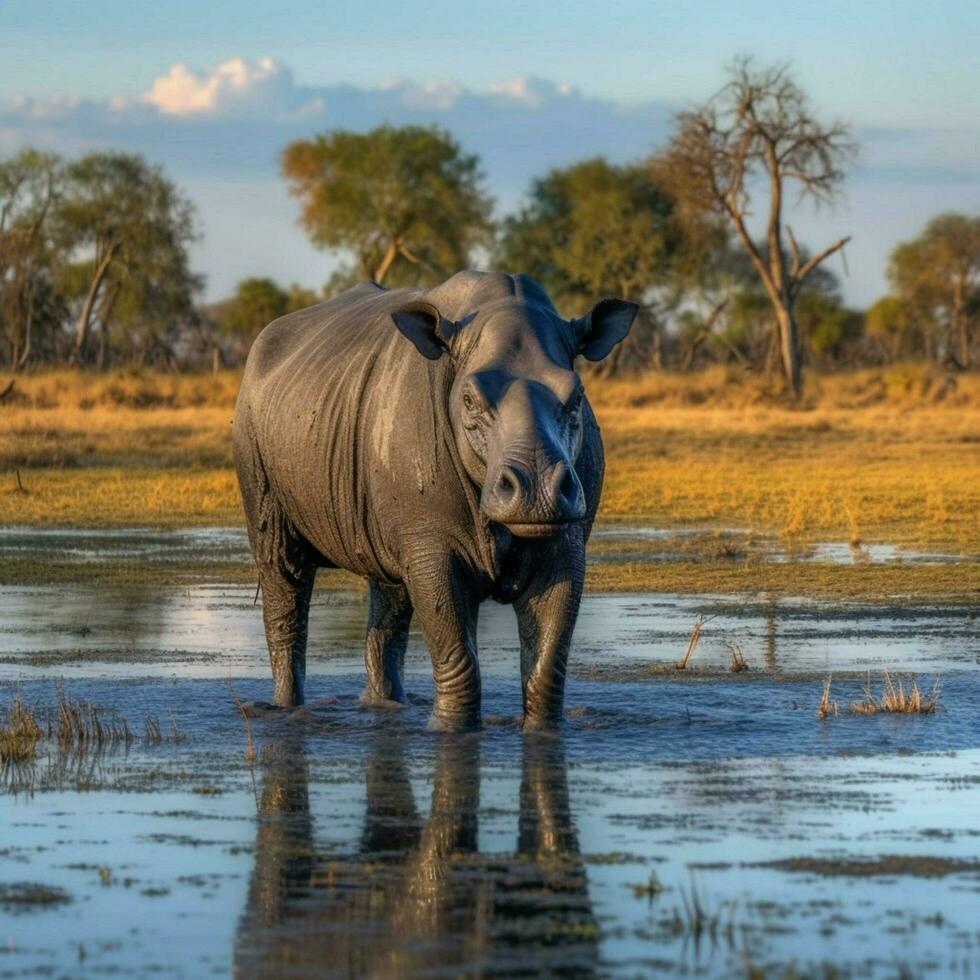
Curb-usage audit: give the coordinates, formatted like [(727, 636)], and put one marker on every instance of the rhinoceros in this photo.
[(438, 443)]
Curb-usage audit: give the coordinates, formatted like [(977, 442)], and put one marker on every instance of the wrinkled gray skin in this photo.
[(438, 443)]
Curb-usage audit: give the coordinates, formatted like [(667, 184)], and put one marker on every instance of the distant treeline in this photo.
[(94, 266)]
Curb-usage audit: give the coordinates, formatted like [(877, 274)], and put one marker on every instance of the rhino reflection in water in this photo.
[(417, 898)]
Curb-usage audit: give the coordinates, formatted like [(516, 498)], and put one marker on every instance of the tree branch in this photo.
[(817, 259), (795, 252)]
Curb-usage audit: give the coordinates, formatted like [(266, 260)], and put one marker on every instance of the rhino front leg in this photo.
[(546, 610), (446, 606), (389, 616)]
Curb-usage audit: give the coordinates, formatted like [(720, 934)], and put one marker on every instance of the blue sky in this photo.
[(526, 85)]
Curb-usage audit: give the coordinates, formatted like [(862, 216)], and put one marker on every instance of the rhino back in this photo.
[(351, 425)]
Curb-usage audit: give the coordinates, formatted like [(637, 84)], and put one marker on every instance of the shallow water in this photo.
[(230, 544), (367, 844), (216, 630), (361, 843)]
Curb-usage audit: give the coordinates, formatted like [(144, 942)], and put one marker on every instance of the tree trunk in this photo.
[(961, 335), (85, 317), (100, 358), (385, 264), (215, 359), (687, 361), (789, 349), (772, 351), (28, 334)]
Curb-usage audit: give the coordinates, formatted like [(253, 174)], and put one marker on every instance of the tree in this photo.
[(406, 203), (31, 184), (938, 276), (890, 322), (828, 329), (131, 228), (595, 229), (759, 126), (257, 302)]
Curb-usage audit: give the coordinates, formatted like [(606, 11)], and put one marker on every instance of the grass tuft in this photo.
[(19, 735), (896, 699), (736, 659), (692, 643), (827, 707)]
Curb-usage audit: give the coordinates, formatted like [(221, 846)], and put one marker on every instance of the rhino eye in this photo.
[(468, 402)]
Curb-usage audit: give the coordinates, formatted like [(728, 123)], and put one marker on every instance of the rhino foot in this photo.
[(371, 699), (454, 723)]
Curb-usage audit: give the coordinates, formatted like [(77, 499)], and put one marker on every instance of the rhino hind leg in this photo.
[(389, 616), (286, 564), (286, 611)]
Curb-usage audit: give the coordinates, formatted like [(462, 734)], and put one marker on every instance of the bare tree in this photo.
[(760, 127)]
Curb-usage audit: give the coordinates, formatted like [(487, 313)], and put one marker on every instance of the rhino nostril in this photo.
[(507, 487)]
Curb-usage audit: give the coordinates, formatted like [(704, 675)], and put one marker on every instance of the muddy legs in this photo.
[(546, 615), (447, 612), (286, 609), (389, 615)]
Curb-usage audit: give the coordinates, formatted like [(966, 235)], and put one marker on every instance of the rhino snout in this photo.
[(534, 504)]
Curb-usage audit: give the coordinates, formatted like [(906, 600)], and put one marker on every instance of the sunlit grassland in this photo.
[(875, 456)]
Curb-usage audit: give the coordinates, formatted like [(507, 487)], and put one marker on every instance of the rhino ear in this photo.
[(604, 326), (425, 327)]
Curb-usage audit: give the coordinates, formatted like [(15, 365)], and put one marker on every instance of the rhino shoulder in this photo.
[(279, 339)]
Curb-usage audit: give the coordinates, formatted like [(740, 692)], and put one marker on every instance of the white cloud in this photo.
[(224, 127), (531, 91), (235, 87)]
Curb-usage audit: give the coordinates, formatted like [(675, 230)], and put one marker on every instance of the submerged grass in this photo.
[(81, 726), (827, 708), (692, 643), (895, 699), (736, 658), (72, 726)]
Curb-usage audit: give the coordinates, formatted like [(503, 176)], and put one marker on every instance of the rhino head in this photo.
[(516, 403)]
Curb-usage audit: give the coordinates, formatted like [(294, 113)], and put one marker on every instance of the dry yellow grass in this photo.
[(902, 469), (19, 734), (889, 455)]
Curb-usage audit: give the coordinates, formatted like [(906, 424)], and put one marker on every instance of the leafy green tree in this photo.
[(757, 131), (31, 185), (406, 203), (257, 301), (129, 228), (938, 276), (890, 322), (827, 326), (596, 229)]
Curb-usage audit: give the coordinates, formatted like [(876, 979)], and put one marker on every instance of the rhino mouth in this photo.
[(537, 529)]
